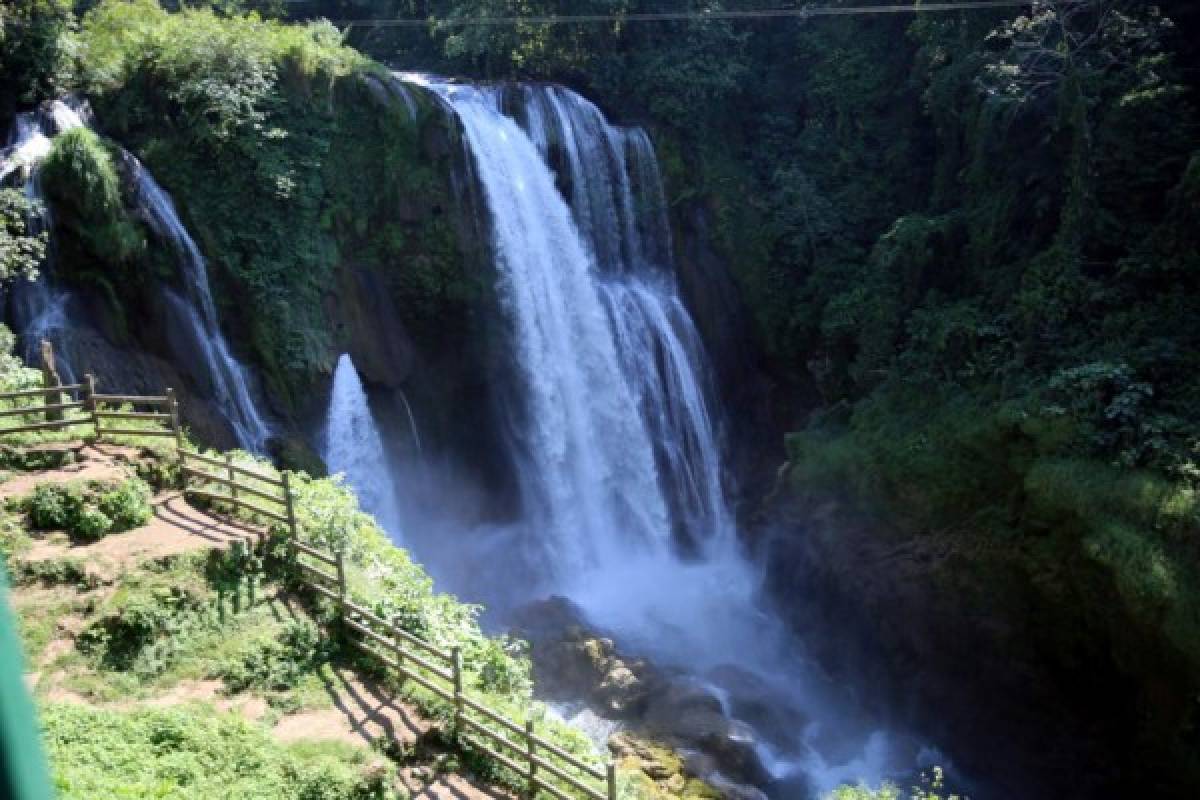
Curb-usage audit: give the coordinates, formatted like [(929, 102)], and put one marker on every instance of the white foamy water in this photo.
[(39, 307), (227, 381), (354, 447)]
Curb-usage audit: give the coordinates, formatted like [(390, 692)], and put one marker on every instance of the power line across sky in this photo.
[(691, 16)]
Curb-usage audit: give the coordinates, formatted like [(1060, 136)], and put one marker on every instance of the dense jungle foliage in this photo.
[(267, 129), (969, 243)]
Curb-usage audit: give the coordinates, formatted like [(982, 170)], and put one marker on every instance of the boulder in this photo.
[(572, 662), (692, 713)]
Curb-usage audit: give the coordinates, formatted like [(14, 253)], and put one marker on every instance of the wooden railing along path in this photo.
[(541, 763)]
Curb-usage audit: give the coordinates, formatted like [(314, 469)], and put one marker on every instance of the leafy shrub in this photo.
[(88, 512), (81, 181), (14, 540), (145, 628), (91, 524), (52, 506), (277, 664), (21, 248), (53, 572), (128, 505)]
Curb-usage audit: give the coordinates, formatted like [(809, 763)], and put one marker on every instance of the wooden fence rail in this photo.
[(515, 745), (542, 764)]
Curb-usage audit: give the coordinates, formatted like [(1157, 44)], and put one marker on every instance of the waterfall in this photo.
[(354, 447), (588, 466), (621, 443), (226, 380), (412, 423), (39, 307), (617, 433), (617, 201)]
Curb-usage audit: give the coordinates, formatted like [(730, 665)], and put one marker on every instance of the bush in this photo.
[(53, 572), (277, 664), (145, 628), (128, 505), (81, 182), (52, 507), (89, 512)]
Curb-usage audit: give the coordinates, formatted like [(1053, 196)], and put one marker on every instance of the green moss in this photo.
[(103, 244), (287, 168)]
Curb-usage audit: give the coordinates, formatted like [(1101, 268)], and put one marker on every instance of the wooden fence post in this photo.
[(341, 579), (251, 573), (293, 551), (399, 648), (236, 552), (456, 661), (529, 755), (611, 773), (50, 380), (232, 477), (173, 410), (89, 392)]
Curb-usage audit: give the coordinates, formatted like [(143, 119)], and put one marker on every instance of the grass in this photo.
[(233, 617), (196, 752)]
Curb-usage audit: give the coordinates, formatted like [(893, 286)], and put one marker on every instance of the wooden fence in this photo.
[(517, 746), (438, 670), (54, 413)]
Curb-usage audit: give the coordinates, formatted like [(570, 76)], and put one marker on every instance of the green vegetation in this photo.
[(91, 510), (932, 787), (239, 617), (21, 250), (34, 51), (102, 244), (288, 162), (967, 245), (195, 753)]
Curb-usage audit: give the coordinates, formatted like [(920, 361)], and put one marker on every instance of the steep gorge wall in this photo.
[(351, 228)]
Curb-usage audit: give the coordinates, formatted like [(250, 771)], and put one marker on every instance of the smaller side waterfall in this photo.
[(38, 307), (228, 381), (354, 447)]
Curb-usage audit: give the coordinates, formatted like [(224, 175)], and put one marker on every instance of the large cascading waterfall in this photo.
[(39, 308), (589, 469), (354, 447), (618, 442), (225, 379), (617, 200)]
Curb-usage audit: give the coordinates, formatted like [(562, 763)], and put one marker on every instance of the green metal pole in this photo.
[(23, 774)]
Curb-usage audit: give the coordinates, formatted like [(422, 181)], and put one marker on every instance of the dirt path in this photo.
[(361, 712), (94, 462)]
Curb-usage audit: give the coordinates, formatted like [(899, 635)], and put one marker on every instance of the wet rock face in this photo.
[(369, 323), (573, 662), (687, 710)]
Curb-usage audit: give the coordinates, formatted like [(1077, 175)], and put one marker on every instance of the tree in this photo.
[(21, 249), (34, 50)]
